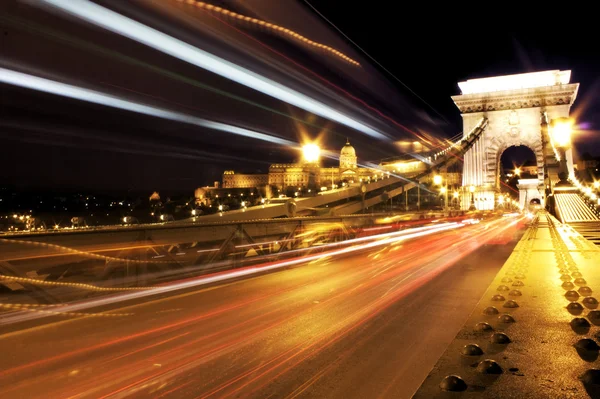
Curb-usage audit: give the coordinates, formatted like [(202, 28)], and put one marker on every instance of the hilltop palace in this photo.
[(303, 174)]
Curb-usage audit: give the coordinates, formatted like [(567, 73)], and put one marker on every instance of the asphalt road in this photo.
[(364, 324)]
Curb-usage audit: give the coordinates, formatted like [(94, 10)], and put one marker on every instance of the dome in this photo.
[(348, 150)]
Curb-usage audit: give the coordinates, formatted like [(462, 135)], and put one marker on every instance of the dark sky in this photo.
[(49, 141)]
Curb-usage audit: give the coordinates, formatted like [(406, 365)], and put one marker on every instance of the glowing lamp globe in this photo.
[(561, 131), (311, 153)]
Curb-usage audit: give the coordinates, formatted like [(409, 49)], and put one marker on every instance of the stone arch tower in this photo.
[(517, 107)]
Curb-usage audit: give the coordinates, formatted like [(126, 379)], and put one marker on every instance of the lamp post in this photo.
[(561, 138), (438, 180), (444, 190), (472, 191)]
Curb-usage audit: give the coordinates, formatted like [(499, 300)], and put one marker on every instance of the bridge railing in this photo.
[(54, 268)]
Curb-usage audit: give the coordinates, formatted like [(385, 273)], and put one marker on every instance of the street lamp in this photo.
[(472, 191), (561, 137), (311, 153), (438, 180), (501, 201)]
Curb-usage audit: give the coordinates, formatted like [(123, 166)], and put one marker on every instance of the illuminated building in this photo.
[(306, 173), (233, 180)]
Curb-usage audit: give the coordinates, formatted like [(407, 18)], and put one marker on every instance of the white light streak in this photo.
[(79, 93), (378, 240), (150, 37)]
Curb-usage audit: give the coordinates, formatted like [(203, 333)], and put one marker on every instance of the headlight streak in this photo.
[(331, 334), (150, 37), (345, 92), (59, 313), (94, 48), (194, 360), (65, 90), (60, 37), (125, 377), (378, 240)]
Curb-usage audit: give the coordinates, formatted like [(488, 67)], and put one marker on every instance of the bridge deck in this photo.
[(547, 286)]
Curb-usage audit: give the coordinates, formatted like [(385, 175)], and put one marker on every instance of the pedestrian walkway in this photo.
[(535, 332), (572, 208), (589, 230)]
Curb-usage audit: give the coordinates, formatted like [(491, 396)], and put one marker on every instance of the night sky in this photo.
[(53, 142)]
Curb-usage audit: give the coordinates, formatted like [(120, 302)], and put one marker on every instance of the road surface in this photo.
[(364, 324)]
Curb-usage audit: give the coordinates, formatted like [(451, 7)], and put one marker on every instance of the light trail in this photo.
[(78, 43), (240, 328), (274, 27), (321, 78), (189, 361), (35, 281), (153, 38), (163, 328), (378, 240), (78, 93), (59, 313), (359, 318)]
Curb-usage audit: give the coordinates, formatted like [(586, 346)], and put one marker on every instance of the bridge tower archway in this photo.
[(519, 109)]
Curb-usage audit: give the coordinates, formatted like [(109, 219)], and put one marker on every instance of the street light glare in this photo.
[(311, 153), (561, 131), (517, 171), (437, 180)]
